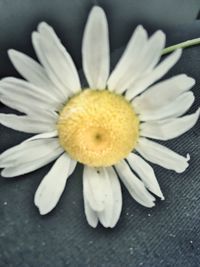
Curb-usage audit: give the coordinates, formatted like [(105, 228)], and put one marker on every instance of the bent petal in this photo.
[(169, 129), (135, 187), (53, 184), (162, 155), (95, 49), (146, 173)]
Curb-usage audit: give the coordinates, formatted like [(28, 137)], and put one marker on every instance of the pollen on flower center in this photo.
[(98, 128)]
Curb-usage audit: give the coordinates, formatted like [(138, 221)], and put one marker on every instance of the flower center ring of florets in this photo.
[(98, 128)]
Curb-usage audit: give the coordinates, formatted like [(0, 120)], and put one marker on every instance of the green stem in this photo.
[(185, 44)]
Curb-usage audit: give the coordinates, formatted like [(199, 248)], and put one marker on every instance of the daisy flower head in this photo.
[(105, 126)]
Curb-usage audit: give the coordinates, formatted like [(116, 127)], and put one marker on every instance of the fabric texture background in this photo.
[(166, 235)]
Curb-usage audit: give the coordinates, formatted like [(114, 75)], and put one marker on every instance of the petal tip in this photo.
[(191, 81), (34, 36), (42, 212), (161, 34), (97, 8), (11, 52), (43, 25), (93, 225), (162, 197), (152, 205)]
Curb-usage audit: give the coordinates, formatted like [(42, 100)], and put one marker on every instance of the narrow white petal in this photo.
[(91, 215), (124, 70), (149, 57), (95, 49), (95, 183), (43, 136), (52, 185), (26, 124), (157, 73), (168, 129), (72, 166), (39, 50), (25, 93), (27, 167), (165, 92), (113, 206), (29, 151), (107, 190), (59, 60), (135, 187), (152, 52), (162, 155), (146, 173), (35, 110), (32, 71), (173, 109)]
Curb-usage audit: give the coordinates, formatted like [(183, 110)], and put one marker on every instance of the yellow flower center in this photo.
[(98, 128)]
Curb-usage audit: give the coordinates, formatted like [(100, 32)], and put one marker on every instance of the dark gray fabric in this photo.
[(167, 235)]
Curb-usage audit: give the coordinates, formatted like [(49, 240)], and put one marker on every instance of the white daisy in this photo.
[(102, 126)]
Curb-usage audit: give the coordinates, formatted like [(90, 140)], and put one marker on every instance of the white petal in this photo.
[(34, 110), (24, 107), (113, 205), (135, 187), (28, 68), (154, 75), (162, 155), (149, 57), (165, 92), (175, 108), (36, 41), (32, 71), (91, 215), (24, 168), (95, 183), (26, 124), (25, 93), (95, 49), (124, 70), (59, 60), (152, 52), (43, 136), (29, 151), (168, 129), (108, 190), (52, 185), (146, 173)]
